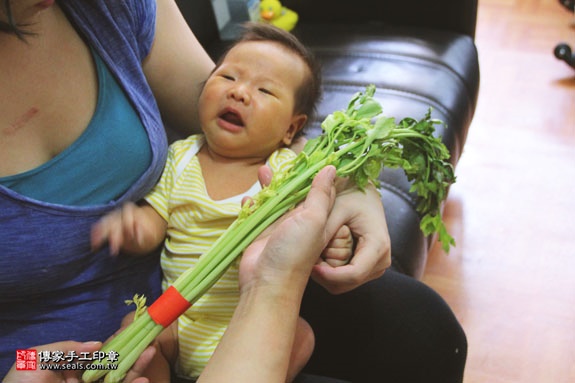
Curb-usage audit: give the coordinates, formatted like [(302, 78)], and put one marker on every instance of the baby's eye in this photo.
[(266, 91), (227, 77)]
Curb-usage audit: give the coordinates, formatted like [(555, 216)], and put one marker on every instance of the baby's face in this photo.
[(247, 104)]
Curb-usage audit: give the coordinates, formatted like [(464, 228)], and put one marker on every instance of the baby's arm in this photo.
[(135, 229), (339, 250)]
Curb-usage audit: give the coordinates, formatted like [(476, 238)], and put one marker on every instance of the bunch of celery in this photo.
[(358, 148)]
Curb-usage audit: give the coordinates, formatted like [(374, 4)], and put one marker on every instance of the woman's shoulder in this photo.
[(132, 9), (105, 20)]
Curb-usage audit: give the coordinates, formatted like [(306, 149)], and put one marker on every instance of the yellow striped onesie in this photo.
[(195, 221)]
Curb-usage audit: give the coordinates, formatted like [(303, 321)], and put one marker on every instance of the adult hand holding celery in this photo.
[(359, 143)]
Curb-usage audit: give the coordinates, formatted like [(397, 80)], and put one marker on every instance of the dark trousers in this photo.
[(394, 329)]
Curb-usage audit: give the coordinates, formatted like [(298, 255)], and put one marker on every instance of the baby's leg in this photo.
[(156, 361), (166, 344), (302, 349)]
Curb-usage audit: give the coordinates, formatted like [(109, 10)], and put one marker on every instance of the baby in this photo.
[(252, 107)]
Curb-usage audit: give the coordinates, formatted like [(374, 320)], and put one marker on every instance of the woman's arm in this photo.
[(176, 68)]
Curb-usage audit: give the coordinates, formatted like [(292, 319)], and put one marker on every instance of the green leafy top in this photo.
[(360, 142)]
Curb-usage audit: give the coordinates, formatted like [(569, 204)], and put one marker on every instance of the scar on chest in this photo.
[(21, 121)]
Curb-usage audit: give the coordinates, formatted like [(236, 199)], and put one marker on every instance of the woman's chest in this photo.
[(49, 94)]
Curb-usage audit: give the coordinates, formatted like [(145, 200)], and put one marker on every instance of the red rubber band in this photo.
[(168, 307)]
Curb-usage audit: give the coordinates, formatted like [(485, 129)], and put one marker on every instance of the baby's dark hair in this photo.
[(309, 93)]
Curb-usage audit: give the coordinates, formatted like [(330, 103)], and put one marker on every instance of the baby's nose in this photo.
[(239, 93)]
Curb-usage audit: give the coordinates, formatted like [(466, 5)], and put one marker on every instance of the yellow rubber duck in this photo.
[(272, 12)]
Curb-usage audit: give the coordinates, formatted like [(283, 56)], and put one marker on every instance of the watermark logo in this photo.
[(26, 360), (29, 360)]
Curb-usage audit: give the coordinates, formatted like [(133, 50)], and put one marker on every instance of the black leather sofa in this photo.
[(419, 54)]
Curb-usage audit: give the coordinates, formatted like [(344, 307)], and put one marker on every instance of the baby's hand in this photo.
[(134, 229), (339, 250), (117, 228)]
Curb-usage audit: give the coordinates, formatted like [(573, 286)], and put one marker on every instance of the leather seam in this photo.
[(398, 57), (414, 59), (435, 103), (400, 193)]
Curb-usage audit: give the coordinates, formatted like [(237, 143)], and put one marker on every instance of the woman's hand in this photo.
[(49, 376), (297, 240), (72, 376), (363, 213)]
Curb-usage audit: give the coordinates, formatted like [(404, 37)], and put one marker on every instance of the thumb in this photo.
[(265, 175), (322, 193)]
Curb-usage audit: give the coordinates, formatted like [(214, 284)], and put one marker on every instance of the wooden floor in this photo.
[(511, 278)]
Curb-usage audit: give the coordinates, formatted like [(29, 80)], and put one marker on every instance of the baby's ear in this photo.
[(297, 123)]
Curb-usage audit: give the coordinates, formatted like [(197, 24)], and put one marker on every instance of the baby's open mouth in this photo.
[(232, 118)]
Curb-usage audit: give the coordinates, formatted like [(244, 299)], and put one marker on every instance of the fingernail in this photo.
[(331, 173)]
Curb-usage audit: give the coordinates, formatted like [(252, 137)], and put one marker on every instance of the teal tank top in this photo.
[(114, 141), (53, 287)]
